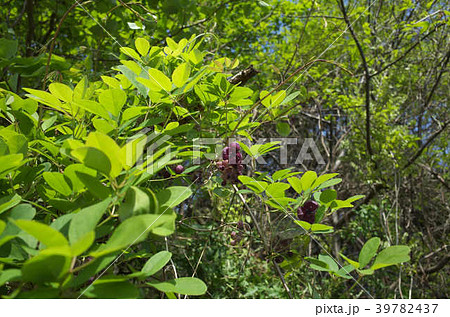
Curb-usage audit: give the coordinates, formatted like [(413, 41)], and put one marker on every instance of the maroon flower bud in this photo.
[(233, 242), (235, 159), (233, 234), (179, 169), (235, 146), (226, 153)]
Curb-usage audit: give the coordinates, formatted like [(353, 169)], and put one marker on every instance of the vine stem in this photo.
[(266, 248), (354, 284)]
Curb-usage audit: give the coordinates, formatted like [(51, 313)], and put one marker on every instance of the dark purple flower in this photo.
[(278, 259), (226, 153), (307, 212)]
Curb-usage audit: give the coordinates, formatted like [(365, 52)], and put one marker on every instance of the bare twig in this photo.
[(366, 76), (424, 146)]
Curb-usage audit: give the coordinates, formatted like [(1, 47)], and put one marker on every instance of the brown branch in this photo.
[(243, 76), (423, 147), (30, 31), (266, 247), (407, 51), (373, 191), (52, 47), (298, 70), (436, 175), (443, 262), (366, 76), (436, 83)]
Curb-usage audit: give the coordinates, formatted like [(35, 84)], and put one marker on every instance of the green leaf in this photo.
[(344, 272), (16, 143), (61, 91), (142, 46), (86, 220), (93, 185), (45, 98), (135, 229), (111, 82), (50, 265), (254, 185), (171, 43), (111, 289), (329, 183), (391, 256), (70, 172), (281, 174), (173, 196), (156, 263), (8, 202), (368, 251), (354, 198), (45, 234), (323, 178), (181, 74), (157, 81), (296, 184), (283, 128), (10, 275), (93, 158), (104, 143), (58, 182), (80, 90), (320, 213), (366, 272), (317, 264), (43, 292), (113, 100), (182, 285), (133, 112), (276, 190), (22, 211), (130, 52), (331, 263), (2, 226), (138, 202), (9, 163), (94, 267), (321, 228), (328, 196), (307, 179), (8, 48), (83, 243), (93, 107), (305, 225)]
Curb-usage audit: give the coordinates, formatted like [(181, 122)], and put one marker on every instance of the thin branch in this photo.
[(298, 70), (264, 240), (406, 52), (436, 175), (366, 76), (428, 142), (443, 262)]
